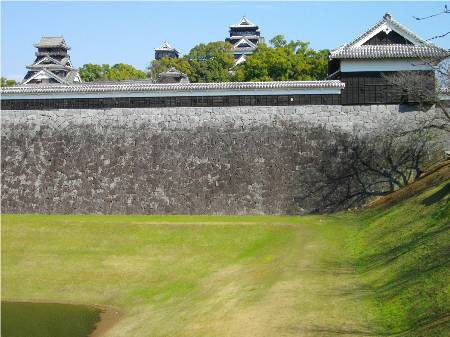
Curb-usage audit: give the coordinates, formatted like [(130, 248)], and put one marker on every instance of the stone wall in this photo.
[(222, 160)]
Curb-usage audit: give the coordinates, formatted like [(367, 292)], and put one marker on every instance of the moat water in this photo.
[(24, 319)]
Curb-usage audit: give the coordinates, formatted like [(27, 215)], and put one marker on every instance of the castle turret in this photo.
[(52, 64), (386, 51), (172, 76), (166, 50), (244, 36)]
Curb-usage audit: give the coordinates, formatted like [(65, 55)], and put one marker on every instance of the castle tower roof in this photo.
[(244, 36), (166, 47), (388, 39), (52, 64), (244, 23), (52, 42), (166, 50)]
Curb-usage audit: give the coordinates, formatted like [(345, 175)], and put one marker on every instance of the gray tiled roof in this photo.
[(166, 46), (249, 37), (244, 41), (172, 72), (48, 66), (71, 75), (148, 86), (51, 41), (243, 49), (55, 65), (48, 72), (420, 49), (244, 23), (389, 51)]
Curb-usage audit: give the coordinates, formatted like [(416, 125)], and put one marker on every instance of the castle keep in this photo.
[(244, 36), (52, 64), (204, 148), (166, 50)]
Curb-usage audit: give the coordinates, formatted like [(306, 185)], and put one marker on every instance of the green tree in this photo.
[(282, 61), (159, 66), (118, 72), (209, 62), (7, 83), (93, 72), (121, 71)]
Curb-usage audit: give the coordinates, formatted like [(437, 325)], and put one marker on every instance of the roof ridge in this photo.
[(387, 18), (244, 38), (53, 40), (359, 37), (48, 72), (147, 86), (244, 19), (408, 31), (165, 46), (356, 48)]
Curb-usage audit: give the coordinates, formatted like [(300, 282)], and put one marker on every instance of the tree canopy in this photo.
[(214, 62), (93, 72), (209, 62), (121, 71), (282, 61), (118, 72), (7, 83)]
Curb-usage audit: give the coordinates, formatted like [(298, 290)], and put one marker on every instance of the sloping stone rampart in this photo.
[(221, 160)]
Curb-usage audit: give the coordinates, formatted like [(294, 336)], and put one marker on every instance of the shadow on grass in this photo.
[(319, 329), (381, 259), (412, 274), (340, 331), (435, 326), (353, 292), (437, 196), (409, 277), (428, 325)]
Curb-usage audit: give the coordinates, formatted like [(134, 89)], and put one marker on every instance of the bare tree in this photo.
[(415, 84), (420, 88), (355, 168)]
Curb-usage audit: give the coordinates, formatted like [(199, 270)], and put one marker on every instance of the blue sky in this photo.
[(114, 32)]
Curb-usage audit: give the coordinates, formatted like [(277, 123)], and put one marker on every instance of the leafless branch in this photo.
[(438, 36), (445, 11)]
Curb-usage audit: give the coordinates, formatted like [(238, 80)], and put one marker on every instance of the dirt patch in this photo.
[(433, 177), (108, 317)]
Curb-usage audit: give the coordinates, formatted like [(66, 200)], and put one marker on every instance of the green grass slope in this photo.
[(403, 254)]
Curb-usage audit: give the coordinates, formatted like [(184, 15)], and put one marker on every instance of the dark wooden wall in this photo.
[(385, 39), (184, 101), (383, 88)]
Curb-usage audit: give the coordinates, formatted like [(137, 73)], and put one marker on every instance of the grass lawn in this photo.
[(371, 273)]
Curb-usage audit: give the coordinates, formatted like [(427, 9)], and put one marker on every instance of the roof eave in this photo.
[(64, 46)]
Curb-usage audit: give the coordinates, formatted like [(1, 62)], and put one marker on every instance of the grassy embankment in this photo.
[(382, 271), (402, 251)]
